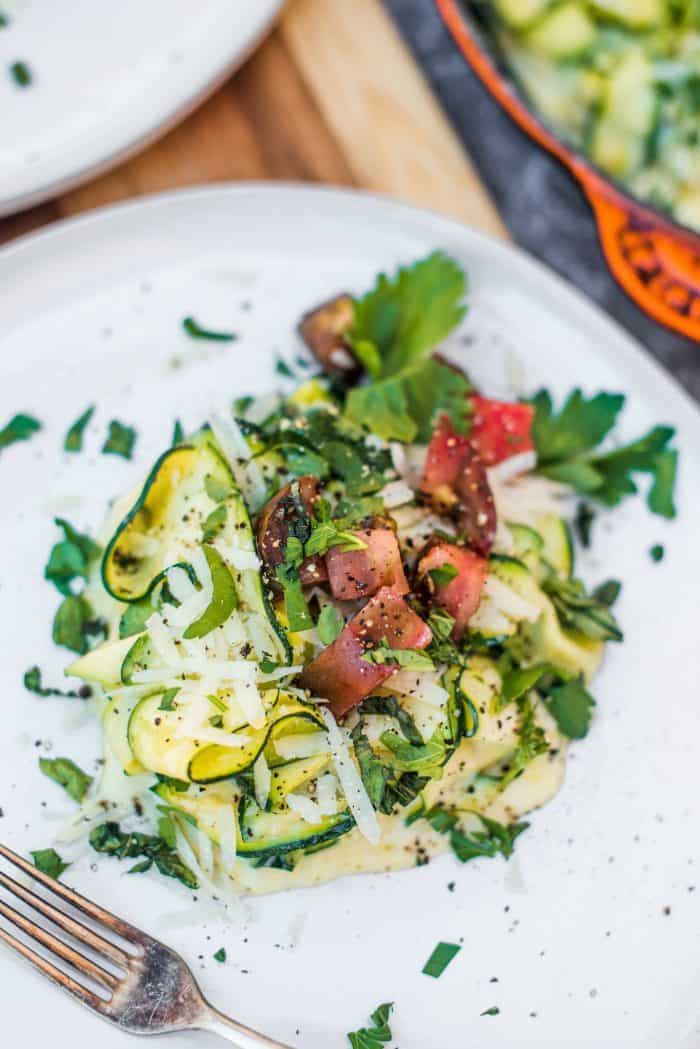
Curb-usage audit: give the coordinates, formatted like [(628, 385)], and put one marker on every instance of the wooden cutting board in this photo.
[(334, 96)]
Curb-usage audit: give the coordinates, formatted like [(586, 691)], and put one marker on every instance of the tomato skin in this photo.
[(273, 528), (340, 675), (456, 484), (460, 597), (445, 455), (360, 573), (500, 429)]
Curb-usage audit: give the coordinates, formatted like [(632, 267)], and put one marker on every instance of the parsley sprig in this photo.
[(566, 446), (396, 327)]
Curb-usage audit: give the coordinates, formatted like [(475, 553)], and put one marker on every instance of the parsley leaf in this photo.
[(443, 575), (378, 1034), (120, 440), (426, 759), (386, 787), (408, 658), (110, 839), (492, 1011), (440, 959), (296, 607), (196, 331), (19, 428), (32, 683), (329, 625), (389, 706), (220, 955), (74, 623), (565, 446), (49, 862), (396, 327), (531, 743), (74, 437), (493, 840), (70, 558), (656, 553), (571, 706), (326, 534), (68, 775)]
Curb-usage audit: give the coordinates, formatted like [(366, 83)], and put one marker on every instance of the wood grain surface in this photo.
[(333, 96)]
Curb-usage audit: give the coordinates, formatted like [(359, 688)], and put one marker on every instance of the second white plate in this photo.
[(107, 79)]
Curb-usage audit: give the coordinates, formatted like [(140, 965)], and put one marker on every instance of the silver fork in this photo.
[(154, 993)]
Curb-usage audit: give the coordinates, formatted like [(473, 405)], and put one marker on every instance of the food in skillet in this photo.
[(620, 79), (344, 632)]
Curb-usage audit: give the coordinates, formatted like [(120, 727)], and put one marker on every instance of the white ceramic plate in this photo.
[(107, 79), (570, 939)]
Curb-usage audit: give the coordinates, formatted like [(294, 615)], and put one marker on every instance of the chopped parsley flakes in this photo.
[(20, 428), (74, 437), (120, 440), (196, 331), (440, 959), (378, 1034)]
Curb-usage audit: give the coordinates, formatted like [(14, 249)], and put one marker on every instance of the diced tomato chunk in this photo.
[(275, 523), (360, 573), (444, 458), (461, 595), (475, 510), (500, 429), (340, 675)]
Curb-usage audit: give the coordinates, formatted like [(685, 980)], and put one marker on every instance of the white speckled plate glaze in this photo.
[(107, 79), (589, 936)]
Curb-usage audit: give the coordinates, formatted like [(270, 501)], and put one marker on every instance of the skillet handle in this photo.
[(656, 264)]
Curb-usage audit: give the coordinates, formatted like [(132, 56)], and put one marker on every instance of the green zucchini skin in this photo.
[(259, 839)]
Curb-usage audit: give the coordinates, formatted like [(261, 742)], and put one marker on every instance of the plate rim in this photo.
[(636, 357), (187, 105)]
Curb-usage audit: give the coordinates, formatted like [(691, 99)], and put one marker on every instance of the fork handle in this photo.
[(235, 1033)]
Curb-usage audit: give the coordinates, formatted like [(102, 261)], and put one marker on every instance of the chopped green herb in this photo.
[(326, 534), (571, 706), (443, 575), (4, 20), (329, 625), (71, 558), (74, 437), (21, 74), (580, 612), (493, 1011), (19, 428), (657, 553), (426, 759), (385, 785), (519, 681), (495, 839), (282, 368), (32, 683), (49, 862), (396, 327), (389, 706), (296, 607), (74, 623), (608, 592), (120, 440), (134, 617), (378, 1034), (583, 523), (167, 699), (110, 839), (440, 959), (531, 743), (566, 444), (220, 955), (268, 665), (408, 658), (68, 775), (195, 331)]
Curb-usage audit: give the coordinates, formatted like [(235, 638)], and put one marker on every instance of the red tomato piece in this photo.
[(340, 675), (461, 595), (275, 521), (360, 573), (500, 429), (475, 512), (445, 455)]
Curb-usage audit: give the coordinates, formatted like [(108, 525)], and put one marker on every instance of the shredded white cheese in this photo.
[(262, 778), (351, 782), (304, 807)]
